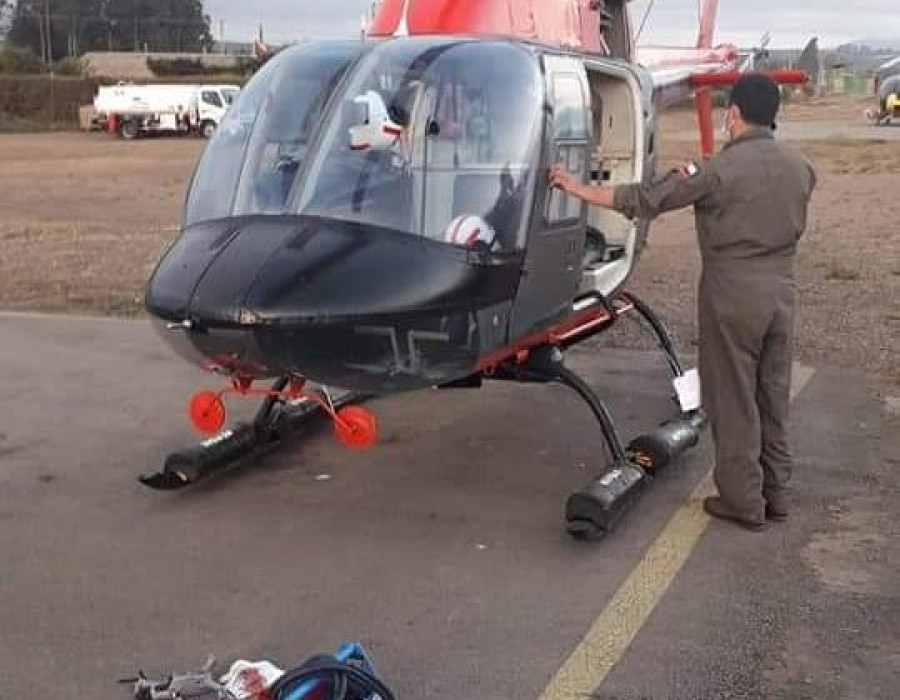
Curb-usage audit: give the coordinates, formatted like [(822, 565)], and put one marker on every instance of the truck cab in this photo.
[(212, 104)]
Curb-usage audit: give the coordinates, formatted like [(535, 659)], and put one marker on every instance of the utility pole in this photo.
[(48, 32), (40, 19), (76, 22)]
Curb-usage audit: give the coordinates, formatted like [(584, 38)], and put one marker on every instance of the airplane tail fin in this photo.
[(810, 60)]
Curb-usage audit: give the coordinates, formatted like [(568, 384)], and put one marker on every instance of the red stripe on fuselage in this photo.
[(579, 322)]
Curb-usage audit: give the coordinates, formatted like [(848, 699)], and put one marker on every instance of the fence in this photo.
[(846, 82)]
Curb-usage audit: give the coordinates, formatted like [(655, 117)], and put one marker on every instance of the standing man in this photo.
[(750, 204)]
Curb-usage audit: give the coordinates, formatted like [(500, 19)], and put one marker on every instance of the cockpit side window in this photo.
[(570, 143)]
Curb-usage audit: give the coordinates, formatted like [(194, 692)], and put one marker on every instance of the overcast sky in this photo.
[(791, 22)]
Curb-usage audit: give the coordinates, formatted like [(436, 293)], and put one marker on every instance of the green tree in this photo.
[(54, 29), (161, 25)]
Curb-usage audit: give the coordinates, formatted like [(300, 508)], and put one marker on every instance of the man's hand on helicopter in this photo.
[(562, 179)]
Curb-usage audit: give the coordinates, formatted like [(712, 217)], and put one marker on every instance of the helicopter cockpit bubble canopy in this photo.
[(436, 137), (256, 152), (431, 136)]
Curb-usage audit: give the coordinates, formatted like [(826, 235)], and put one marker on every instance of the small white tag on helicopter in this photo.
[(687, 387)]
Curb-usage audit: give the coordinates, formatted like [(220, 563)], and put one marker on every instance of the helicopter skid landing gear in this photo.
[(593, 511), (286, 406)]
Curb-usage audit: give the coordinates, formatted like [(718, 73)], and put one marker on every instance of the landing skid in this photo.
[(590, 513), (278, 418), (593, 511)]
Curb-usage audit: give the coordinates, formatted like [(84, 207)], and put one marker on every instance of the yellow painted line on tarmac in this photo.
[(612, 632)]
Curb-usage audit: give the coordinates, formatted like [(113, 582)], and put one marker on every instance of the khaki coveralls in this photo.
[(750, 204)]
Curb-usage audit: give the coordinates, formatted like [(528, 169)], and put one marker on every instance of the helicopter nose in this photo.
[(333, 270), (172, 284), (276, 269), (319, 297), (207, 274)]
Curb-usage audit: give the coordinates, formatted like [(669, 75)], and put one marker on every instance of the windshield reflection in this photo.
[(250, 164), (433, 138)]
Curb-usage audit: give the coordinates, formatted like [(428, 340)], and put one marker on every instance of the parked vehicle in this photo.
[(140, 110)]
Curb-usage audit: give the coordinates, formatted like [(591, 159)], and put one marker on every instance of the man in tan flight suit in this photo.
[(750, 204)]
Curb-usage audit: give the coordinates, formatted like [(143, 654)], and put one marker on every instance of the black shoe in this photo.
[(776, 510), (717, 509)]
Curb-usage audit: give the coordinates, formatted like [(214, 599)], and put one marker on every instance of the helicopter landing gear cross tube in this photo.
[(590, 513)]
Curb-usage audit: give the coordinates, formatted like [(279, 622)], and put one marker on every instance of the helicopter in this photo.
[(374, 217)]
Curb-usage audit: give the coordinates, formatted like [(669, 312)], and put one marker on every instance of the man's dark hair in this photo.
[(758, 98)]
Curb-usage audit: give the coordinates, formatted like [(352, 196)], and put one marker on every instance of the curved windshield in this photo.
[(253, 157), (433, 138)]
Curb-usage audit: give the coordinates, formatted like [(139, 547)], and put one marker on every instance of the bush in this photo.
[(45, 99), (168, 67), (175, 66), (247, 65), (72, 67), (16, 61)]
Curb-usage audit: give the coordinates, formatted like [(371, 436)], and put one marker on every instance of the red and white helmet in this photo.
[(468, 230)]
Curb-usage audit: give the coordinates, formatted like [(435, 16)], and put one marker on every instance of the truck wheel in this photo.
[(207, 128), (128, 130)]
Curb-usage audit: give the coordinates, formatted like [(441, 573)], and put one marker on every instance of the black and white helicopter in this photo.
[(374, 217)]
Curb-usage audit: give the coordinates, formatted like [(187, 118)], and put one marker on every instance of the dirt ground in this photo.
[(84, 218)]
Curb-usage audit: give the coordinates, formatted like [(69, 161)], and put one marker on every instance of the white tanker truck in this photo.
[(139, 110)]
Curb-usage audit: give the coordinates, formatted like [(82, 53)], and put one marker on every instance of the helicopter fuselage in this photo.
[(376, 215)]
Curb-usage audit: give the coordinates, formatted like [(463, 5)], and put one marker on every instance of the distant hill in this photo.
[(863, 55), (879, 45)]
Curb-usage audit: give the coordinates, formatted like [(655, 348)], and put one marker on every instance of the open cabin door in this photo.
[(553, 262)]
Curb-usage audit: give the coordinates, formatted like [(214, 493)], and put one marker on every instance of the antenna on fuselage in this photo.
[(640, 30)]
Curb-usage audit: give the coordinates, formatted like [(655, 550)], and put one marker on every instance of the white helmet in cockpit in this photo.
[(471, 231)]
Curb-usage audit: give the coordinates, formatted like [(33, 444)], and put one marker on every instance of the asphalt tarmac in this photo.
[(442, 549)]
